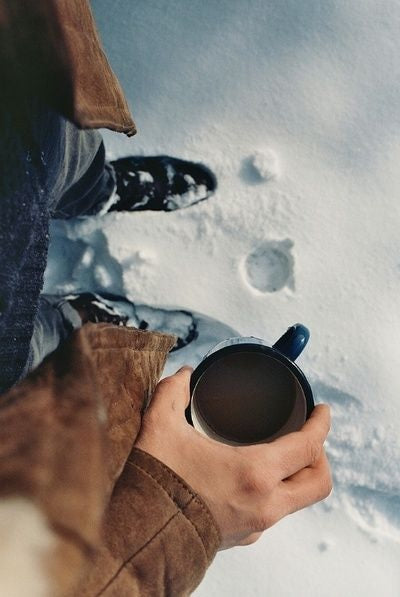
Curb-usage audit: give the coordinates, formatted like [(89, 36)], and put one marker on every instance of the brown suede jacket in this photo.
[(120, 522), (82, 511)]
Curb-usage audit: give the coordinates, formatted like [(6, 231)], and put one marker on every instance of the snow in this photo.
[(186, 199), (265, 165), (270, 266), (295, 106), (145, 177)]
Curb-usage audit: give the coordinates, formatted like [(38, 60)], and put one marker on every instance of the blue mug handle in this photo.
[(293, 342)]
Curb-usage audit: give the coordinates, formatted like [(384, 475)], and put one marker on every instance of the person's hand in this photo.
[(247, 488)]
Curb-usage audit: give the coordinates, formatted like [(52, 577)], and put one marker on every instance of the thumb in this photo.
[(173, 392), (182, 379)]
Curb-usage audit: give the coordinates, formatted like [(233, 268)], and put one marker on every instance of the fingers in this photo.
[(306, 487), (172, 394), (319, 422), (303, 489), (295, 451)]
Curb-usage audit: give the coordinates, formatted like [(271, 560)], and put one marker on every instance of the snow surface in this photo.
[(228, 82)]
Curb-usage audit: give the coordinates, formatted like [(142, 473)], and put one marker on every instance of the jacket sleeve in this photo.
[(159, 536), (114, 520)]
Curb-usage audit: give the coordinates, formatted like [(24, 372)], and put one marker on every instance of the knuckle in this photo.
[(280, 465), (165, 383), (313, 450), (253, 481), (269, 482)]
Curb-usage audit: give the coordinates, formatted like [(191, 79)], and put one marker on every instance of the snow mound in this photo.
[(265, 164)]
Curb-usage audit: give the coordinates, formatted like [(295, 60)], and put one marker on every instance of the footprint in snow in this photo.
[(270, 266)]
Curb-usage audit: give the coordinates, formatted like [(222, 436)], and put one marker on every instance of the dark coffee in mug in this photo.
[(248, 393)]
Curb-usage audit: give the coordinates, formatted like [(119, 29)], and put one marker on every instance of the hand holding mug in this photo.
[(248, 488)]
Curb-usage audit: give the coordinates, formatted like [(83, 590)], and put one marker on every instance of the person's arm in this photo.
[(66, 433), (162, 530), (87, 514), (159, 535)]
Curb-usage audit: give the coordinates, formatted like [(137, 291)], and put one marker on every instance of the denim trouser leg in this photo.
[(55, 320), (48, 168), (85, 180), (83, 184)]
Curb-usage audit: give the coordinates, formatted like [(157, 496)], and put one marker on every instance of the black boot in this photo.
[(119, 311), (159, 183), (196, 333)]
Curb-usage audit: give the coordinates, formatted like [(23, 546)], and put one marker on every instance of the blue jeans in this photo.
[(55, 320), (85, 182), (54, 171)]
